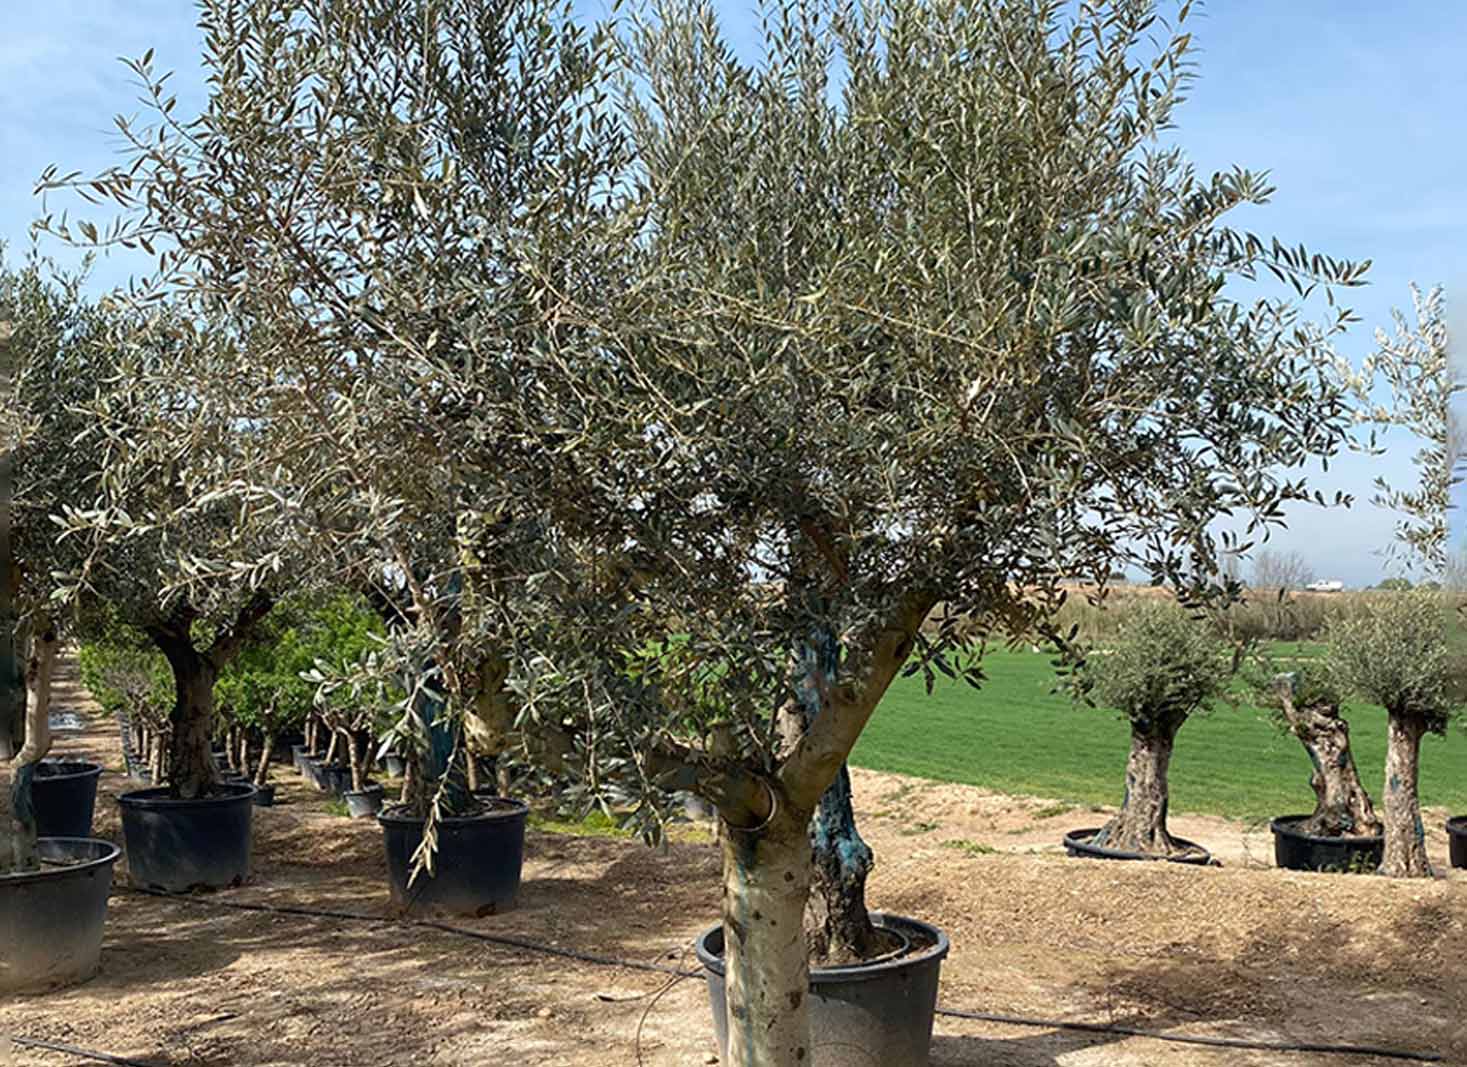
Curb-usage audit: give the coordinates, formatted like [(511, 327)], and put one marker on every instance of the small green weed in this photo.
[(972, 848), (1053, 810)]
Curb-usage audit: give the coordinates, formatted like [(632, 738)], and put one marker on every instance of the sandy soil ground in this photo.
[(1238, 950)]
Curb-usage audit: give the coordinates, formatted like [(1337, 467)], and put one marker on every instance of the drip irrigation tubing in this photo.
[(527, 945), (86, 1054)]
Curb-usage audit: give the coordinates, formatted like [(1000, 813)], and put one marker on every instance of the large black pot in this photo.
[(477, 867), (179, 845), (51, 920), (65, 795), (1294, 850), (1077, 843), (1457, 840), (875, 1014)]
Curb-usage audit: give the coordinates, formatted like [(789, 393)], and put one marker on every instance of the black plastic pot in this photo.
[(51, 920), (1294, 850), (65, 796), (1457, 840), (264, 796), (363, 804), (477, 868), (337, 779), (1077, 843), (871, 1015), (315, 773), (179, 845)]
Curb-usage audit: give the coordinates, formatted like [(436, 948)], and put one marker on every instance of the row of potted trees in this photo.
[(1393, 650)]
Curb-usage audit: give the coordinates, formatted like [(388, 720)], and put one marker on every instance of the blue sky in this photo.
[(1357, 108)]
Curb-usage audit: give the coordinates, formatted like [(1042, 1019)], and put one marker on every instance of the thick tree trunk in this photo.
[(191, 771), (1342, 807), (311, 735), (766, 885), (1140, 825), (243, 764), (262, 770), (1405, 837), (471, 771), (331, 749), (18, 817)]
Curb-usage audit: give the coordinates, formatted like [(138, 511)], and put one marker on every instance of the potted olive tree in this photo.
[(167, 551), (1394, 651), (840, 393), (1343, 833), (54, 877), (1164, 667)]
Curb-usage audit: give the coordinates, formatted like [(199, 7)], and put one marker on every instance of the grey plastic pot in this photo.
[(51, 920), (65, 795), (1294, 850), (1077, 843), (876, 1014), (365, 803), (298, 754), (180, 845), (395, 765)]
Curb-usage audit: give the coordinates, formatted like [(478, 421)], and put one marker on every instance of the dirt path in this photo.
[(1236, 951)]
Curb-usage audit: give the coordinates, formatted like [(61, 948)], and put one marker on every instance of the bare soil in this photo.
[(1239, 950)]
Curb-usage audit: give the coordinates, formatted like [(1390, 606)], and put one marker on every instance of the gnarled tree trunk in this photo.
[(18, 817), (1342, 807), (1140, 825), (1405, 837), (191, 771), (837, 924)]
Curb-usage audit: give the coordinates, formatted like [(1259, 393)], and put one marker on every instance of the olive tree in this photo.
[(1395, 652), (1163, 668), (922, 321), (362, 195), (51, 342), (1307, 701)]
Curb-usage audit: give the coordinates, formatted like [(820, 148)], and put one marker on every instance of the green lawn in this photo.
[(1014, 736)]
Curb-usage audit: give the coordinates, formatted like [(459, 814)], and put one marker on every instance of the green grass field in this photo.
[(1015, 736)]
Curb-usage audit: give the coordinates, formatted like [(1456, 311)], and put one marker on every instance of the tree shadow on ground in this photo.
[(1314, 977), (1038, 1050)]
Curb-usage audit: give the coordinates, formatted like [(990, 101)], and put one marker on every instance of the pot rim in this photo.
[(521, 810), (375, 787), (1075, 842), (850, 972), (157, 798), (1457, 825), (107, 859), (1281, 826), (88, 768)]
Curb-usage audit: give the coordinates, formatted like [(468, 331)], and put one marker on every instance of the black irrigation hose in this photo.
[(86, 1054), (954, 1013), (1214, 1042)]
